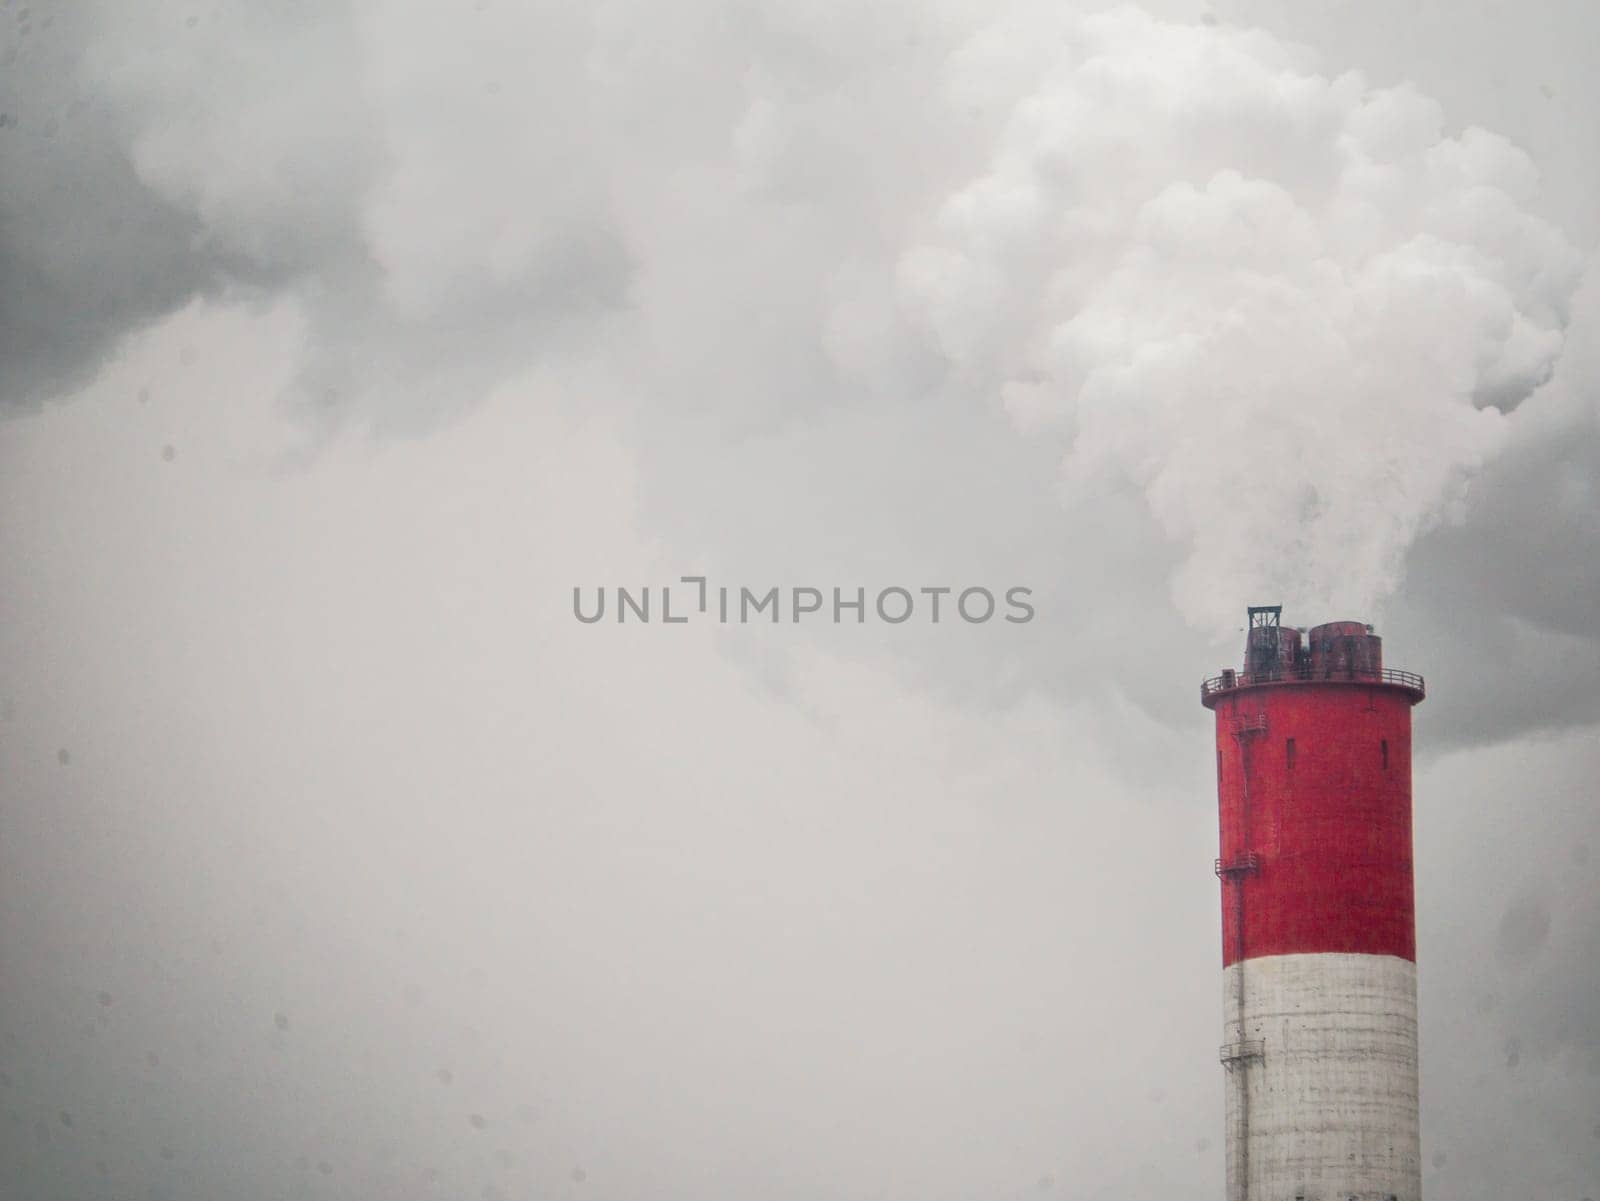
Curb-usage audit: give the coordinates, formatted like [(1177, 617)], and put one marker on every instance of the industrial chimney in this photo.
[(1318, 931)]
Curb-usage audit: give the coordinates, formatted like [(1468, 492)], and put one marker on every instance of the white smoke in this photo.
[(1289, 308)]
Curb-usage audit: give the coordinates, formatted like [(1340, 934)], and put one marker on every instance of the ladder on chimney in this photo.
[(1238, 1055)]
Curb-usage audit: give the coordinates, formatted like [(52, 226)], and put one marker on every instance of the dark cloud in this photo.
[(98, 234), (87, 251)]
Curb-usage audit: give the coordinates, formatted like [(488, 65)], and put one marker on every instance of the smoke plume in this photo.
[(1291, 309)]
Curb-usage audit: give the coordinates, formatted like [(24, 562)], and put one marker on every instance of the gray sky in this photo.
[(339, 342)]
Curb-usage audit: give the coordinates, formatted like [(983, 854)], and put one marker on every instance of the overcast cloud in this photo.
[(340, 342)]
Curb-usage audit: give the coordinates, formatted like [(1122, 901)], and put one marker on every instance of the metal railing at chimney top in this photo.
[(1230, 680)]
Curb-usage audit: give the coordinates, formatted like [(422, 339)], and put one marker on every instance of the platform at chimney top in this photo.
[(1336, 652)]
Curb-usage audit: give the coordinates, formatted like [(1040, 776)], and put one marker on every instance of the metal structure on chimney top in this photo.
[(1265, 615)]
